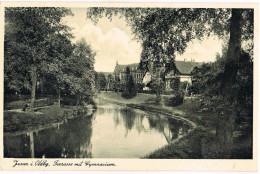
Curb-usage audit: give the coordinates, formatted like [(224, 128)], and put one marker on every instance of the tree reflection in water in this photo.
[(69, 140), (112, 131), (170, 127)]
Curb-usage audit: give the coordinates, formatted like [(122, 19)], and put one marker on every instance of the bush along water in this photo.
[(176, 100)]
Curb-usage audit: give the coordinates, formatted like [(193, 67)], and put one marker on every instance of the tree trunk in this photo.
[(158, 96), (159, 88), (226, 121), (34, 81), (59, 97), (78, 100), (233, 53), (224, 133)]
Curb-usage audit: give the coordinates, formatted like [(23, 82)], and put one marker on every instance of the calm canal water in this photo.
[(112, 131)]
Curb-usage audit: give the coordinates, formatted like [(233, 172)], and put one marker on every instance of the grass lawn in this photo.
[(15, 121), (116, 96), (188, 147), (21, 103)]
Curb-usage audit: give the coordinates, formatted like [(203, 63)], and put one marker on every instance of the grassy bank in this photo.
[(21, 103), (17, 121), (201, 142), (116, 96)]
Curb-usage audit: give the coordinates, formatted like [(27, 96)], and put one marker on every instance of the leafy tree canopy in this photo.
[(34, 37), (79, 70), (163, 32)]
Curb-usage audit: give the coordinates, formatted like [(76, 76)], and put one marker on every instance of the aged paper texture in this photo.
[(129, 86)]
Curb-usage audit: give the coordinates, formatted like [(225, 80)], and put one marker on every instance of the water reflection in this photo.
[(111, 132), (68, 140)]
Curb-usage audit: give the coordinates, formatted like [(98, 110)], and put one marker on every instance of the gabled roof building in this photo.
[(181, 69), (183, 72)]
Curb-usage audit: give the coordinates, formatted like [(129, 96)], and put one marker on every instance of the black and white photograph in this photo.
[(128, 82)]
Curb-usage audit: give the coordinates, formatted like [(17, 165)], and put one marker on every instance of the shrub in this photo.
[(183, 86), (176, 100), (175, 84), (68, 100), (126, 94), (139, 87)]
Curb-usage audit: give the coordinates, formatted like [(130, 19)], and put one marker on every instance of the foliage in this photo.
[(176, 100), (102, 81), (175, 84), (184, 87), (154, 86), (54, 72), (130, 89), (203, 76), (244, 88), (79, 70), (157, 87), (96, 80), (34, 38), (47, 85), (139, 87), (111, 82), (166, 31), (117, 84), (207, 81)]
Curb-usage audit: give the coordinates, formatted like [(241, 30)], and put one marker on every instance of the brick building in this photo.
[(135, 71)]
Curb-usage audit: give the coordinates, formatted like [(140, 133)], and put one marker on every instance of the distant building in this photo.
[(135, 71), (182, 71)]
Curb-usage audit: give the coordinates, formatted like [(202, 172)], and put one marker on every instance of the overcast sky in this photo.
[(113, 41)]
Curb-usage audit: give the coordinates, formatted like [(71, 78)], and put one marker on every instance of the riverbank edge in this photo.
[(177, 115), (201, 142), (15, 122)]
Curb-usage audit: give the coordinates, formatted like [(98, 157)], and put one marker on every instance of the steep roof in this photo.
[(185, 67), (122, 68)]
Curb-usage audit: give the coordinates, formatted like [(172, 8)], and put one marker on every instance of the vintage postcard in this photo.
[(129, 86)]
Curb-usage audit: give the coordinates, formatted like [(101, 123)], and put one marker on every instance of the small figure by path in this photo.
[(26, 107)]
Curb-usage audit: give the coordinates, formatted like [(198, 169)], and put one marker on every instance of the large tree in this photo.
[(163, 32), (61, 49), (80, 72), (30, 35)]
